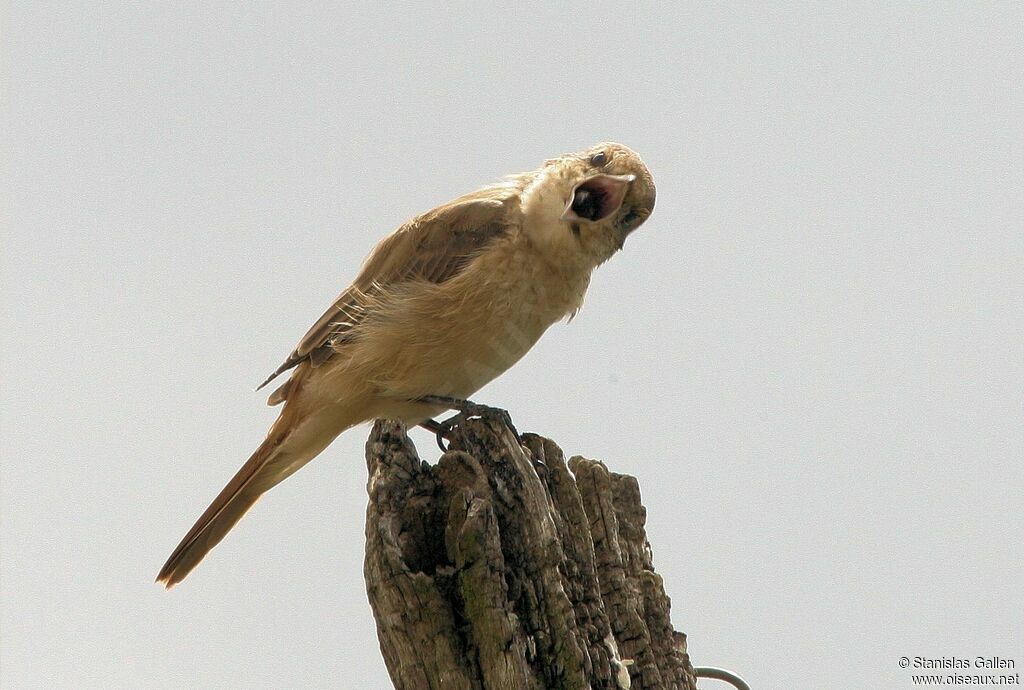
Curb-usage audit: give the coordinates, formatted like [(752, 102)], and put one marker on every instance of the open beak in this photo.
[(597, 197)]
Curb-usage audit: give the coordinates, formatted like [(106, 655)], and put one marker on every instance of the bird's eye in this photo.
[(599, 159)]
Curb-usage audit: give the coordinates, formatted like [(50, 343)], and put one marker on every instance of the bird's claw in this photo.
[(467, 409), (444, 430)]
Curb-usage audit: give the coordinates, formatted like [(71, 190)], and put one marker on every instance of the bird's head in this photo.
[(583, 205)]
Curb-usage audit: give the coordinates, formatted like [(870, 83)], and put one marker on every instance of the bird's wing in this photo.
[(433, 247)]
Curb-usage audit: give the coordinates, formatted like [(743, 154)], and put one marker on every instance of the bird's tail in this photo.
[(291, 443)]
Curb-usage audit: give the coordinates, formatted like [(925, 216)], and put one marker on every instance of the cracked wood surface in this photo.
[(503, 566)]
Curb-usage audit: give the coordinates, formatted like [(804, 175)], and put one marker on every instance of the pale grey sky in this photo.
[(812, 355)]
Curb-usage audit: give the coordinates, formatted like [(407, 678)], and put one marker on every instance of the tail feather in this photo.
[(293, 441), (227, 509)]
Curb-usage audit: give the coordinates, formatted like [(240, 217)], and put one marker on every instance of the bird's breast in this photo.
[(454, 339)]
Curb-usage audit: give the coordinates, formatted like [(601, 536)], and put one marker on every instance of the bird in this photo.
[(442, 305)]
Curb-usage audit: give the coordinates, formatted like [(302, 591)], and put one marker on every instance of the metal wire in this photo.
[(721, 674)]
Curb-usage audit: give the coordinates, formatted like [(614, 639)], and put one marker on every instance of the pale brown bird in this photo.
[(442, 306)]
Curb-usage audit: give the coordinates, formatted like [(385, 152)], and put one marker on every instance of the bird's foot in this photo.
[(466, 409), (441, 430)]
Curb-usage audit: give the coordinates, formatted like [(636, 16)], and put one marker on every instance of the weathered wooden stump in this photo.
[(503, 567)]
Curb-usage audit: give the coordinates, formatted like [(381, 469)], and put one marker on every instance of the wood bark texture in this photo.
[(504, 566)]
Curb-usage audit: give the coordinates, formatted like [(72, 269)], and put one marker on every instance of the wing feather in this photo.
[(433, 247)]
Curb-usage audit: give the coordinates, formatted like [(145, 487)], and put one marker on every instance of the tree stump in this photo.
[(498, 568)]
